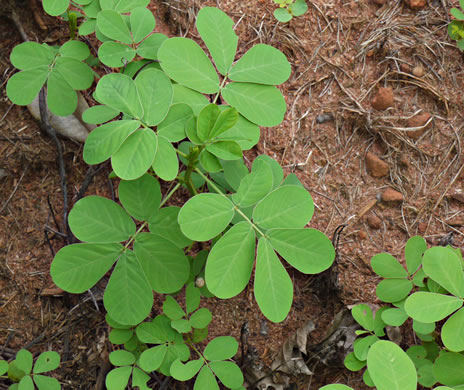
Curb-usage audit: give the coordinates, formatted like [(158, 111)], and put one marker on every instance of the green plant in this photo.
[(26, 374), (171, 114), (456, 27), (428, 291), (289, 8)]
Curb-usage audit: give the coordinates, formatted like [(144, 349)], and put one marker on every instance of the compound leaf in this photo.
[(262, 64), (136, 154), (230, 261), (285, 207), (308, 250), (260, 104), (141, 197), (164, 264), (78, 267), (217, 31), (273, 287), (128, 296), (184, 61), (205, 216), (97, 219)]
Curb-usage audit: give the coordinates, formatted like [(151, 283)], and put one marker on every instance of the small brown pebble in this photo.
[(418, 71), (383, 99), (362, 235), (374, 222), (416, 4), (418, 121), (391, 195), (405, 68), (375, 166)]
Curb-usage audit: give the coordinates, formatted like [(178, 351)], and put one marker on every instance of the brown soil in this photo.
[(341, 52)]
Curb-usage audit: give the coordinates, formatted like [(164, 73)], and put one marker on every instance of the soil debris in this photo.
[(416, 4), (375, 166), (418, 71), (374, 221), (384, 99), (420, 120), (391, 196)]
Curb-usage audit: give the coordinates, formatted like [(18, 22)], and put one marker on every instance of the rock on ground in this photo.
[(375, 166), (390, 195), (383, 99)]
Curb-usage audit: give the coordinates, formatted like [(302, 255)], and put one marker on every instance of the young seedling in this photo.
[(289, 8)]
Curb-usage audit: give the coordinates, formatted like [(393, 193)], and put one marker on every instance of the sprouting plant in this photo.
[(429, 290), (456, 27), (26, 373), (173, 115), (289, 8)]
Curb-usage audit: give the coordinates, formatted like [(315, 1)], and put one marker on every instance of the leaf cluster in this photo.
[(456, 27), (289, 8), (430, 290), (27, 375)]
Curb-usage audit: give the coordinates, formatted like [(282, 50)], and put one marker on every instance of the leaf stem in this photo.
[(237, 209), (220, 89), (166, 198)]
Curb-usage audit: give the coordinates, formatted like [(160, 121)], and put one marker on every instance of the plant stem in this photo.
[(235, 207), (166, 198), (220, 89)]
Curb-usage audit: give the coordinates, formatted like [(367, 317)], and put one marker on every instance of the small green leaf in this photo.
[(165, 265), (228, 373), (230, 261), (184, 61), (111, 23), (118, 378), (99, 114), (165, 224), (78, 267), (431, 307), (55, 7), (201, 318), (166, 163), (149, 47), (282, 15), (423, 328), (172, 309), (390, 368), (459, 15), (221, 348), (29, 55), (225, 150), (100, 220), (75, 49), (155, 93), (273, 287), (47, 361), (353, 363), (362, 345), (136, 154), (245, 133), (308, 250), (298, 8), (223, 45), (393, 290), (394, 317), (205, 216), (121, 358), (260, 104), (142, 23), (195, 100), (262, 64), (24, 361), (277, 171), (115, 54), (173, 126), (449, 369), (184, 372), (335, 386), (46, 383), (285, 207), (141, 197), (181, 325), (205, 380), (23, 87), (444, 267), (452, 332), (105, 140), (123, 6), (3, 367), (234, 172), (151, 359), (88, 27), (128, 296), (363, 316), (415, 248), (206, 120), (26, 383), (192, 297), (387, 266), (120, 336), (61, 97), (209, 162)]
